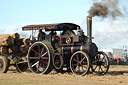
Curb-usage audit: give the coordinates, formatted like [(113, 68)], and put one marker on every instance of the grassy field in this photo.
[(117, 75)]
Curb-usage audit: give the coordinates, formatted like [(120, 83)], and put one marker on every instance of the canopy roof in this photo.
[(52, 27)]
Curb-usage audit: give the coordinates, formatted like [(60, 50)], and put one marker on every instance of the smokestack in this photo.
[(89, 29)]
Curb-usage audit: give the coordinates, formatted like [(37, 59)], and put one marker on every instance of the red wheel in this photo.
[(40, 58), (80, 63)]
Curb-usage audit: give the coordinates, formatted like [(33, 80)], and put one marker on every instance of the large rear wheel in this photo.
[(40, 58), (80, 63)]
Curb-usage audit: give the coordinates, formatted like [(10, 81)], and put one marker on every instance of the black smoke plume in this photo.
[(105, 8)]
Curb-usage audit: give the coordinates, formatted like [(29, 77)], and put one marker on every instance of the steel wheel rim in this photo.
[(79, 64), (40, 61)]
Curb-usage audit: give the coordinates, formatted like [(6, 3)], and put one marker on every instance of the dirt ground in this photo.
[(117, 75)]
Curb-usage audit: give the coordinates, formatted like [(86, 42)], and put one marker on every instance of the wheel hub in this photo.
[(40, 57), (99, 63), (79, 63)]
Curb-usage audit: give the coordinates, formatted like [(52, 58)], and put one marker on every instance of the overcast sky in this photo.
[(107, 33)]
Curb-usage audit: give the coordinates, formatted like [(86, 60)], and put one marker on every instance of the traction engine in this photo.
[(68, 51)]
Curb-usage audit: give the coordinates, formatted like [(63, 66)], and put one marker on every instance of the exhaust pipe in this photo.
[(89, 29)]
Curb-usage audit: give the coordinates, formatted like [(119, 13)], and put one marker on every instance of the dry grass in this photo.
[(117, 75)]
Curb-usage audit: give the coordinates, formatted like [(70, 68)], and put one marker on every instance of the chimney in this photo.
[(89, 29)]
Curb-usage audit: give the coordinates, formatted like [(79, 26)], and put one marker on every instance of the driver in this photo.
[(41, 35)]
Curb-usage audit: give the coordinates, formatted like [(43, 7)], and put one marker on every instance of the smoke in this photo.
[(105, 8)]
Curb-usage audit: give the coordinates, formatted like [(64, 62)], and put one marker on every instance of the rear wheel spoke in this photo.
[(44, 54), (39, 51), (42, 50), (38, 66), (35, 51), (45, 58), (35, 64), (33, 58), (45, 62)]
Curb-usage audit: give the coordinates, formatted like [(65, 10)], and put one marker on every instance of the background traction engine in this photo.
[(75, 52)]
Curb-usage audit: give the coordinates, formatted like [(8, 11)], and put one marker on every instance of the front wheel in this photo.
[(80, 63), (100, 64)]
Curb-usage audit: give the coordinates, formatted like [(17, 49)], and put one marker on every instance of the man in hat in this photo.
[(41, 35)]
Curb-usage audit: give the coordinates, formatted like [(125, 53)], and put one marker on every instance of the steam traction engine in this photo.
[(70, 50)]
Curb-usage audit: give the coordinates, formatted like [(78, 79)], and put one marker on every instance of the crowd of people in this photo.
[(118, 61)]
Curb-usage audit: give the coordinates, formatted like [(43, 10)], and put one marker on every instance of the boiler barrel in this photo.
[(90, 48)]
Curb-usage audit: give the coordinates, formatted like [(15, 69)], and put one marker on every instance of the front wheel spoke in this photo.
[(84, 63), (75, 60), (101, 69), (81, 56), (82, 59), (77, 57), (78, 69), (95, 67), (84, 67), (104, 66), (74, 64), (35, 64), (103, 58)]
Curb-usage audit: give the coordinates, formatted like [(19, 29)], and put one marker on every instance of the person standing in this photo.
[(41, 35)]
